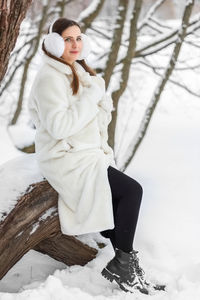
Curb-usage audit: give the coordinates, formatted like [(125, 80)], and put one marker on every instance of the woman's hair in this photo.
[(59, 26)]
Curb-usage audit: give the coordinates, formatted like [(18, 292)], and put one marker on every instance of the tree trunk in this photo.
[(33, 224), (12, 13), (124, 76), (28, 62), (116, 41)]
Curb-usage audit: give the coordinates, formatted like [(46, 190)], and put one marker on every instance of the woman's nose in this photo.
[(74, 44)]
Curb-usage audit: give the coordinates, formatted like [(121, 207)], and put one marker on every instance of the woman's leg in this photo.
[(126, 198), (124, 267)]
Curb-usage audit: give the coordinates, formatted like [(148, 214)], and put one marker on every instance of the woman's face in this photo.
[(73, 43)]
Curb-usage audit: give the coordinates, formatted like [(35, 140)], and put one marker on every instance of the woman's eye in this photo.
[(69, 39)]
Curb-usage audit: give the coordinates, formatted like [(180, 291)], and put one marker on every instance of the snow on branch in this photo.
[(150, 13), (175, 82), (89, 10), (133, 146), (89, 14), (167, 39)]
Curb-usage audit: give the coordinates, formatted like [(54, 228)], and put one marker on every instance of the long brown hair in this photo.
[(59, 26)]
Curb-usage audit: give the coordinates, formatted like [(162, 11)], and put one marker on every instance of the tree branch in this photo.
[(150, 13), (86, 19)]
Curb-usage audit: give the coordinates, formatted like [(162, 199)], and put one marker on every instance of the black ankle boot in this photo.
[(122, 269)]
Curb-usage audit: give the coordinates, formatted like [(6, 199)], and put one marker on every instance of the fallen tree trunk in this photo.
[(33, 224)]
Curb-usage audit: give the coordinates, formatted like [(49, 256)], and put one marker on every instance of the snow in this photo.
[(89, 10), (18, 173), (50, 212), (167, 166), (22, 136)]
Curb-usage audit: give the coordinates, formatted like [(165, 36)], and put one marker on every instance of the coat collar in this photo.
[(62, 67)]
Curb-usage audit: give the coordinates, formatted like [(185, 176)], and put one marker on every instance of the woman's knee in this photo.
[(140, 189), (106, 233), (137, 190)]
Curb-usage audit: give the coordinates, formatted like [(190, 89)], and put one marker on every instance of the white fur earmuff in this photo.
[(55, 44), (87, 47)]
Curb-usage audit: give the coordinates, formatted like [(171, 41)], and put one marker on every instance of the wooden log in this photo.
[(33, 224)]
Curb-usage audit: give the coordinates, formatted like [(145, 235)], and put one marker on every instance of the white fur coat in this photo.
[(71, 145)]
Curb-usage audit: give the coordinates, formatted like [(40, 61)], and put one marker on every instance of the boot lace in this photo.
[(135, 265)]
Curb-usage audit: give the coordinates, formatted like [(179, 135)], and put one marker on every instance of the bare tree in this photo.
[(125, 69), (160, 87), (163, 37), (116, 41)]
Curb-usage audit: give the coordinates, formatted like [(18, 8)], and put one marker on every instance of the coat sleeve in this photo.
[(55, 113)]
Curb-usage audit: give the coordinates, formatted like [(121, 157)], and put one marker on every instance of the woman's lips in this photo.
[(74, 52)]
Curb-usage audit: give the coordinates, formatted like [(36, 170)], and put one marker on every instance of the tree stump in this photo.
[(33, 224)]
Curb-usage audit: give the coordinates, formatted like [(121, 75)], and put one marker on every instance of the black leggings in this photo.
[(126, 199)]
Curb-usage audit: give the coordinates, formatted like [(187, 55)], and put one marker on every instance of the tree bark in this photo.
[(125, 69), (116, 41), (29, 58), (12, 13), (33, 224)]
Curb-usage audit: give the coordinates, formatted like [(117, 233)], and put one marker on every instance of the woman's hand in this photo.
[(95, 90)]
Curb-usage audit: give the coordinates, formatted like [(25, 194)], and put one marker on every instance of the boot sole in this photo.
[(157, 287), (110, 276)]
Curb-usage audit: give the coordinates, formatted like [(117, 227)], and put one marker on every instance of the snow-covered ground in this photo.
[(167, 166)]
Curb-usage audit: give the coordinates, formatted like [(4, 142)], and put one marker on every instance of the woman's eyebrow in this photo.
[(71, 36)]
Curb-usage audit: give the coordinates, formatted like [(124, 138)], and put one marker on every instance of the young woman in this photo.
[(71, 111)]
